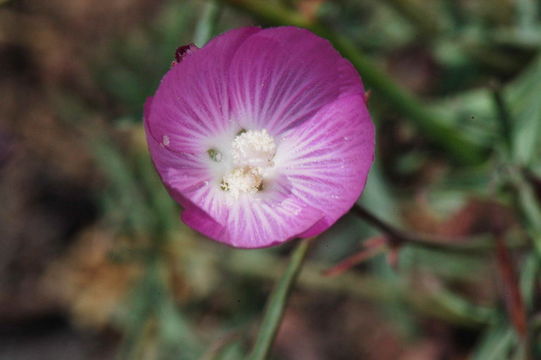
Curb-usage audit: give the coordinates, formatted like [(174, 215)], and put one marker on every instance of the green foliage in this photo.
[(523, 100)]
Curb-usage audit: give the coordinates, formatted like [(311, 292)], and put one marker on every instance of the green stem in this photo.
[(207, 24), (398, 237), (277, 303), (441, 134)]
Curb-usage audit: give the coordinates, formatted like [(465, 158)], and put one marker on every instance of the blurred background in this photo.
[(95, 264)]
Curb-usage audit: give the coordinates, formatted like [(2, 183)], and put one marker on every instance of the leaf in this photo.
[(176, 336), (525, 107), (126, 190), (528, 278), (496, 343), (227, 347)]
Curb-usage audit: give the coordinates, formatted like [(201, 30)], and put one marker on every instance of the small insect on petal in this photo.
[(183, 51)]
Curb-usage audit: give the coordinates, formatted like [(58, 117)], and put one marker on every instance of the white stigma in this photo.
[(252, 153), (244, 180), (254, 148)]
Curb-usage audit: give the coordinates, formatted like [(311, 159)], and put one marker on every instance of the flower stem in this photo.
[(277, 303), (397, 237), (445, 136)]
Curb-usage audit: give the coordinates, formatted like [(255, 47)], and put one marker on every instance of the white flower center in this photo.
[(252, 152), (254, 148)]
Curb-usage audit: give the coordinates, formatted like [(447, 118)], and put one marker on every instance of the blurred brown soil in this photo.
[(48, 180), (314, 326)]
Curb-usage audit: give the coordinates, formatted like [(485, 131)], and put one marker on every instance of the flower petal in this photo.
[(181, 172), (270, 219), (333, 152), (350, 81), (280, 77), (192, 103), (327, 159)]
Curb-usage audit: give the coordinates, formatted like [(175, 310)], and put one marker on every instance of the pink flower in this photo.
[(262, 135)]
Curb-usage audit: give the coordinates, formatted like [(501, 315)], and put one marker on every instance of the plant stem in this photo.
[(397, 237), (442, 135), (277, 303), (207, 24)]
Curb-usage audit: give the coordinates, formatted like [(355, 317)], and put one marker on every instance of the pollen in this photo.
[(244, 180), (252, 153), (254, 148)]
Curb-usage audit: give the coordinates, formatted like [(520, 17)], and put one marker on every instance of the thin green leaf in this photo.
[(496, 344), (124, 185), (528, 277), (527, 11), (523, 101)]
